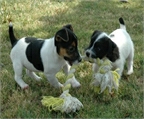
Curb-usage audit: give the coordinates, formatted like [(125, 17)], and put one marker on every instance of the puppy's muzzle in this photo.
[(90, 54), (73, 60), (78, 60), (87, 54)]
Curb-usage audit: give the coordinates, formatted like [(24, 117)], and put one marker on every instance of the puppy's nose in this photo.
[(87, 54)]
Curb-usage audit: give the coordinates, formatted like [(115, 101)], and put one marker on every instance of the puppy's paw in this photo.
[(25, 86), (74, 83), (38, 78), (129, 72), (60, 85)]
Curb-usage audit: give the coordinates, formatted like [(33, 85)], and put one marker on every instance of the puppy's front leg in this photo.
[(73, 81), (53, 80), (95, 67), (66, 69)]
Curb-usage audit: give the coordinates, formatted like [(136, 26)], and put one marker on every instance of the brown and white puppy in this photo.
[(117, 47), (48, 56)]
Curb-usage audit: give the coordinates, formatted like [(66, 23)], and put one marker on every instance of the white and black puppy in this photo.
[(117, 47), (49, 55)]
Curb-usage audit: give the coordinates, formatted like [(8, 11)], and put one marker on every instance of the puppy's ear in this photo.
[(62, 35), (69, 26), (113, 52), (96, 32)]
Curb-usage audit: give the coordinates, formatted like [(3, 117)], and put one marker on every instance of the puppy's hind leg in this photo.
[(66, 69), (130, 64), (18, 75), (33, 75)]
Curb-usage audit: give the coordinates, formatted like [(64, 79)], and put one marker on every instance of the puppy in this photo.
[(48, 56), (117, 47)]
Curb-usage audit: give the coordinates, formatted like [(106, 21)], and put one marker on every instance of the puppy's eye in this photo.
[(71, 49), (98, 48)]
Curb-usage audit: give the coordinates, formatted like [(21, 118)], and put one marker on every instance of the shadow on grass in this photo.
[(89, 16)]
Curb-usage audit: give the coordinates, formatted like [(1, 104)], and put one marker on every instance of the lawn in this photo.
[(43, 19)]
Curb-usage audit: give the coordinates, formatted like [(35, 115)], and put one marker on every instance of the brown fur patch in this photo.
[(63, 52), (73, 44)]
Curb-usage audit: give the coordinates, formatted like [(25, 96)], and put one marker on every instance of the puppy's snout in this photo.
[(90, 54), (87, 53)]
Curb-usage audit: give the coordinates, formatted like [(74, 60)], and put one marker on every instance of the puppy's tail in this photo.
[(122, 24), (11, 35)]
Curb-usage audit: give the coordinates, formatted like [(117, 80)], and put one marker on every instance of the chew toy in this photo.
[(65, 102), (104, 79)]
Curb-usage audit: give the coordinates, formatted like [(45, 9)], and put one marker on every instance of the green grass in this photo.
[(42, 19)]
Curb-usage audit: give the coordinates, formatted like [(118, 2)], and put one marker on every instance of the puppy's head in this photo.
[(66, 44), (102, 46)]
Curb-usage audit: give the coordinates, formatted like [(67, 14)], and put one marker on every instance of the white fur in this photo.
[(52, 63)]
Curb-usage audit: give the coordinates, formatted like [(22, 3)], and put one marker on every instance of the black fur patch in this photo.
[(121, 21), (95, 34), (103, 47), (33, 52), (12, 37), (113, 54), (68, 36), (66, 39)]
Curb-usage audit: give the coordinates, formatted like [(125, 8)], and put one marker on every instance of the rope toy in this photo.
[(65, 102), (104, 79)]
